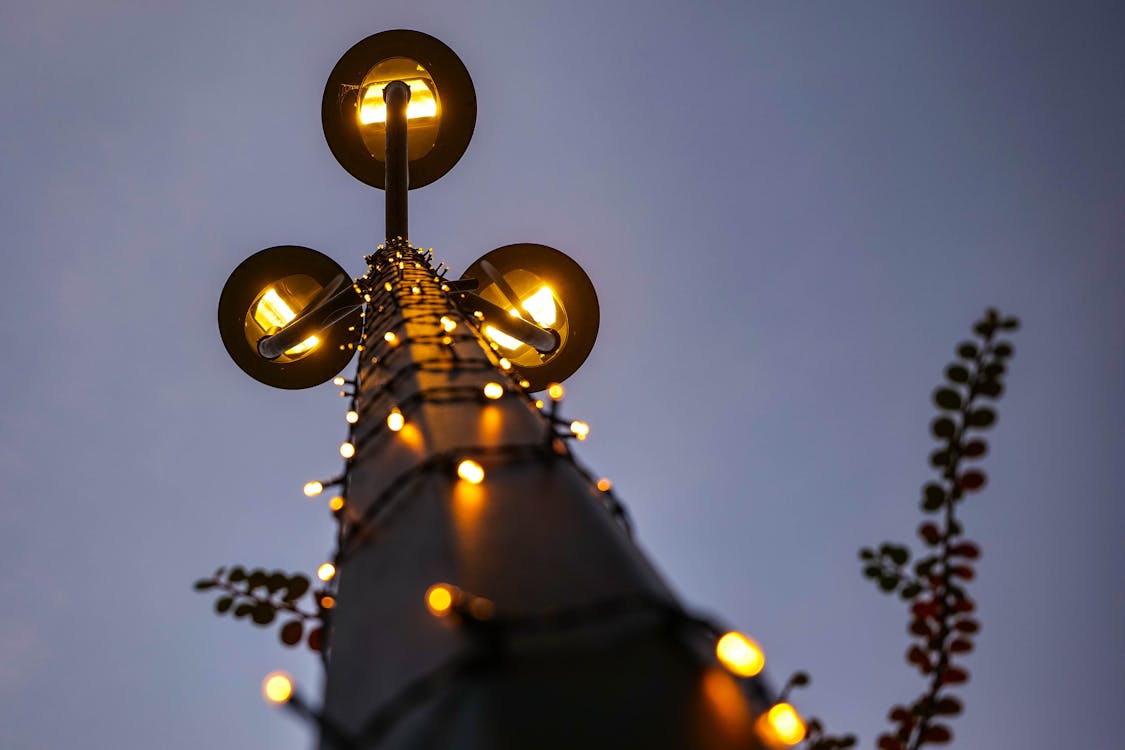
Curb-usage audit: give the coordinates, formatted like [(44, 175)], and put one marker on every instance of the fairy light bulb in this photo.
[(448, 324), (580, 429), (782, 725), (326, 572), (388, 286), (470, 471), (505, 364), (338, 380), (556, 391), (493, 390), (328, 602), (277, 687), (336, 503), (739, 654), (352, 416), (605, 485), (439, 599), (538, 403), (395, 420), (347, 450), (390, 338), (312, 489)]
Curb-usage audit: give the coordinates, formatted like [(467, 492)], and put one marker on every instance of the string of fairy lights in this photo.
[(402, 290)]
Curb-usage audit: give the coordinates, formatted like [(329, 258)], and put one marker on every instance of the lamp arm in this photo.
[(336, 301), (543, 340)]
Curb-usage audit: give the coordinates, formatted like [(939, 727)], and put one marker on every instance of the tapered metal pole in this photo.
[(396, 95), (535, 537)]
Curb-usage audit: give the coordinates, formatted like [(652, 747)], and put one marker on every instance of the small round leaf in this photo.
[(291, 632)]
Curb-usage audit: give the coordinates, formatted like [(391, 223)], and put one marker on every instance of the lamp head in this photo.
[(554, 292), (440, 117), (268, 290)]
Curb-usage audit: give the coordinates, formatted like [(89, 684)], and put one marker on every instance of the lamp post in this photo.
[(489, 594)]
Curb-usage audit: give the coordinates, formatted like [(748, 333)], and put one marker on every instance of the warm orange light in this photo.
[(556, 391), (448, 324), (508, 342), (538, 403), (390, 338), (493, 390), (312, 489), (326, 572), (347, 450), (604, 484), (505, 364), (580, 429), (327, 602), (388, 286), (277, 687), (781, 726), (338, 380), (351, 417), (395, 420), (439, 599), (336, 503), (470, 471), (273, 312), (422, 102), (740, 654)]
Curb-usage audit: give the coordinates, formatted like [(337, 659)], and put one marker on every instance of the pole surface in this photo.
[(535, 537), (396, 95)]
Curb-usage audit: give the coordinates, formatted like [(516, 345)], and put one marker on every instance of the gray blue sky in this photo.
[(791, 211)]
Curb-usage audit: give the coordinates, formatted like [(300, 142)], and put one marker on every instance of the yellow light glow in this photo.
[(395, 420), (505, 364), (338, 380), (390, 338), (336, 503), (470, 471), (541, 306), (493, 390), (388, 286), (347, 450), (556, 391), (508, 342), (740, 655), (351, 417), (374, 109), (415, 290), (782, 725), (580, 429), (439, 599), (328, 602), (448, 324), (326, 572), (605, 485), (538, 403), (274, 312), (277, 687), (312, 489)]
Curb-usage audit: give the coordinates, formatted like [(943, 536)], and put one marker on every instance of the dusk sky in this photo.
[(792, 212)]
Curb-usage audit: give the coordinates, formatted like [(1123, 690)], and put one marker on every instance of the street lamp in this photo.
[(289, 317)]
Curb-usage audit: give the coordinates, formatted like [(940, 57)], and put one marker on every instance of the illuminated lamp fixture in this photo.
[(441, 113), (539, 307), (285, 314)]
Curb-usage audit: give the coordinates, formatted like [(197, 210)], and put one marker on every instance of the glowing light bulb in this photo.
[(338, 380), (448, 324), (312, 489), (538, 403), (505, 364), (277, 687), (415, 290), (605, 485), (556, 391), (347, 450), (395, 420), (274, 312), (470, 471), (740, 654), (326, 572), (493, 390), (580, 429), (390, 338), (502, 339), (388, 286), (439, 599), (328, 602), (541, 306), (525, 383), (374, 110), (336, 503), (782, 725), (351, 417)]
